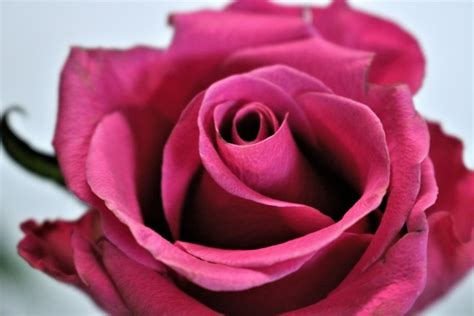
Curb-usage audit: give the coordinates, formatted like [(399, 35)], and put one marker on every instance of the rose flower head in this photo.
[(269, 161)]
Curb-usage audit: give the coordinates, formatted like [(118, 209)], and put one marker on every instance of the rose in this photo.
[(365, 252)]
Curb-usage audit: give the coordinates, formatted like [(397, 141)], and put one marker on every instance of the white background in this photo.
[(35, 38)]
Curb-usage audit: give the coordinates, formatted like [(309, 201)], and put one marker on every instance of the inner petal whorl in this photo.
[(252, 123), (247, 127)]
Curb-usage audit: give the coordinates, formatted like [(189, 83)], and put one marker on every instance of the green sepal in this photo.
[(22, 153)]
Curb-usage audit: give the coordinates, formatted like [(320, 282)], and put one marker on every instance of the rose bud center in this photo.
[(253, 123)]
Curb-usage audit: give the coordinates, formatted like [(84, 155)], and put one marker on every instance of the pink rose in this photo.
[(257, 167)]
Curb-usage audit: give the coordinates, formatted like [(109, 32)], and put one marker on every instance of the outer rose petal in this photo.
[(145, 291), (450, 246), (310, 283), (64, 250), (343, 70), (390, 285), (408, 144), (96, 280), (215, 34), (93, 83), (455, 181), (398, 59), (47, 247)]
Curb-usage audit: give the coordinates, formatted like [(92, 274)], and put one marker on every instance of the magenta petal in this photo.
[(451, 242), (293, 81), (121, 236), (95, 278), (47, 247), (267, 168), (145, 291), (408, 142), (214, 33), (292, 249), (390, 286), (231, 222), (449, 259), (251, 124), (277, 168), (180, 163), (455, 181), (64, 251), (111, 166), (264, 6), (310, 283), (398, 56), (343, 70), (340, 127), (93, 83)]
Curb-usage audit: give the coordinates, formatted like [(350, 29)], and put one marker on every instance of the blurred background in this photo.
[(35, 39)]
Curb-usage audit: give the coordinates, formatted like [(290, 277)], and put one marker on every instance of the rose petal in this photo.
[(343, 70), (179, 166), (277, 168), (120, 235), (450, 244), (313, 281), (145, 291), (408, 142), (244, 125), (340, 127), (228, 221), (214, 33), (63, 250), (449, 259), (263, 6), (390, 286), (95, 278), (455, 181), (95, 82), (398, 58), (47, 247)]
